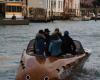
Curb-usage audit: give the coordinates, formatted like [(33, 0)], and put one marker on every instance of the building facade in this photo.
[(72, 7), (21, 8), (87, 3), (52, 7), (14, 7), (8, 8), (2, 8), (37, 10), (33, 4), (55, 6)]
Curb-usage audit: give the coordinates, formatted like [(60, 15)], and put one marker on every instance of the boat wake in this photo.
[(86, 74), (88, 50)]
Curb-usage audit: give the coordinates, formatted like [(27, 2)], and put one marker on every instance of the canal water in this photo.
[(13, 39)]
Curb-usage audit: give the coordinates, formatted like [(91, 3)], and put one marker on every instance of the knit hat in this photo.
[(66, 33), (46, 30)]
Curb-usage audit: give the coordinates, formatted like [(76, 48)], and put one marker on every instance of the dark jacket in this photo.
[(68, 45), (58, 34), (47, 43), (40, 44), (55, 47), (47, 39)]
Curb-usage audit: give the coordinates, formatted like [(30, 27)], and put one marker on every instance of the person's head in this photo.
[(13, 14), (57, 29), (46, 31), (41, 31), (66, 33)]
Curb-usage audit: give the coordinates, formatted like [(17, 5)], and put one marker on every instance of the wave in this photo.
[(87, 74)]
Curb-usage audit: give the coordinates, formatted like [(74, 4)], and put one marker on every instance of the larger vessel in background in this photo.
[(37, 67)]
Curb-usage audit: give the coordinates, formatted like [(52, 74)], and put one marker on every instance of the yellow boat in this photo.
[(37, 67)]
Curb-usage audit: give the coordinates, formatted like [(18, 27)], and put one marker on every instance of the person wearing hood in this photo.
[(55, 46), (47, 41), (57, 32), (68, 45), (40, 42)]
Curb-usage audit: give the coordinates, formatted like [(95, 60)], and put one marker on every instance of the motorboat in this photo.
[(41, 67), (86, 18)]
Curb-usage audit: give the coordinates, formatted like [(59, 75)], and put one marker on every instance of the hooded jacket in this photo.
[(55, 47), (40, 43)]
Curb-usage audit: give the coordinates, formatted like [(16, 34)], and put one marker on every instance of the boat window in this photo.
[(27, 77), (13, 0), (14, 8), (10, 0), (46, 78)]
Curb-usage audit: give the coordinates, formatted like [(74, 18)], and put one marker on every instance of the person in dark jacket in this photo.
[(55, 45), (40, 43), (14, 17), (68, 45), (58, 33), (47, 41)]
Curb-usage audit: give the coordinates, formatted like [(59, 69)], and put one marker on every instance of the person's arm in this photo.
[(73, 45)]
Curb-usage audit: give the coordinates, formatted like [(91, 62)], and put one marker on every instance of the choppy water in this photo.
[(13, 39)]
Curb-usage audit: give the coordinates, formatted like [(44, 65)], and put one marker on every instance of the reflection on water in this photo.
[(13, 39)]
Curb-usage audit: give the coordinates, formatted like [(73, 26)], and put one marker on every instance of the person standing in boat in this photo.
[(68, 45), (40, 43), (14, 17), (47, 41)]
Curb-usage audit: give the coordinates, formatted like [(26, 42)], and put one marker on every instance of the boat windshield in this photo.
[(79, 47), (31, 47)]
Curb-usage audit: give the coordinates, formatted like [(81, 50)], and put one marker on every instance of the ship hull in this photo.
[(54, 68), (41, 67)]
